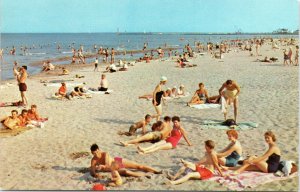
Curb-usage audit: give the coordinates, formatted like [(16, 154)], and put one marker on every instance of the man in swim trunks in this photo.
[(12, 122), (22, 85), (140, 124), (161, 130), (204, 169), (230, 91), (102, 161)]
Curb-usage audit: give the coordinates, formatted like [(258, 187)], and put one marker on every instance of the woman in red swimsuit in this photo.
[(171, 142)]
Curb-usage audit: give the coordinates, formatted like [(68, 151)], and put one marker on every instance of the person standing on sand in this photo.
[(96, 64), (297, 56), (157, 97), (22, 85), (257, 47), (1, 54), (290, 56), (230, 91), (112, 55)]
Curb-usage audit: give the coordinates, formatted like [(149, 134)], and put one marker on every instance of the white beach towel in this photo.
[(218, 125), (223, 104), (206, 106), (99, 92), (67, 84)]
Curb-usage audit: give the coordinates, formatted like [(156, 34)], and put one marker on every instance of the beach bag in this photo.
[(229, 123)]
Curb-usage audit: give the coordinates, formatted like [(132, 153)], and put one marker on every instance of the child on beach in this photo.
[(96, 64), (204, 169), (140, 124), (116, 179)]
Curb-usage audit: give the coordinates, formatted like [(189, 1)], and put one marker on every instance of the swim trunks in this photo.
[(156, 136), (22, 87), (204, 172), (230, 94)]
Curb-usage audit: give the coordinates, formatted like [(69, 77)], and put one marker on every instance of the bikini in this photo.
[(273, 163), (175, 137)]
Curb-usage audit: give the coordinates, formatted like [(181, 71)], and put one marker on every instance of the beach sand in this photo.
[(40, 159)]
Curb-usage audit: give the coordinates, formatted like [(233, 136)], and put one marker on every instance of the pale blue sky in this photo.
[(148, 15)]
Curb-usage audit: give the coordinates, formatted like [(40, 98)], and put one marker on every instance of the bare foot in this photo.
[(124, 143), (140, 152), (169, 176), (168, 182), (140, 149)]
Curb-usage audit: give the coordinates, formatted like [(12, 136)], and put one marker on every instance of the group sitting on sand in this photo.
[(166, 137), (27, 118)]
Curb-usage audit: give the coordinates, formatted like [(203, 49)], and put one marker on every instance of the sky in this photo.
[(75, 16)]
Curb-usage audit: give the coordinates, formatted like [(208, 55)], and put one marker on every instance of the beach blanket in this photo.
[(14, 132), (218, 125), (100, 92), (247, 179), (206, 106)]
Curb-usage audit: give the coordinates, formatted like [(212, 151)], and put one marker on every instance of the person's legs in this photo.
[(193, 175), (164, 146), (147, 137), (179, 172), (158, 110), (133, 165), (24, 99), (125, 172), (235, 106), (153, 146)]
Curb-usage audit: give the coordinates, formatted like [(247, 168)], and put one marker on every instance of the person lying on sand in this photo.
[(230, 155), (267, 60), (102, 161), (24, 120), (12, 122), (267, 163), (140, 124), (204, 169), (170, 142), (161, 130), (33, 114)]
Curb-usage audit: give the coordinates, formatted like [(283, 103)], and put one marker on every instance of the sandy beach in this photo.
[(41, 159)]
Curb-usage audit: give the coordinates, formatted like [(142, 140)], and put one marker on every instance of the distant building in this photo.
[(296, 32), (282, 31)]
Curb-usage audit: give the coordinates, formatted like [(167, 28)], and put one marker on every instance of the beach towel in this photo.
[(67, 84), (217, 124), (206, 106), (10, 104), (14, 132), (100, 92), (247, 179)]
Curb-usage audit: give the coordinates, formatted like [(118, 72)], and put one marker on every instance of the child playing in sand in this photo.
[(140, 124), (116, 179), (204, 169), (181, 90)]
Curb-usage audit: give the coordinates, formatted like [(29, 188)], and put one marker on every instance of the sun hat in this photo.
[(163, 78)]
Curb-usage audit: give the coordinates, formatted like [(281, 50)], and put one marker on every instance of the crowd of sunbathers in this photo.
[(27, 118)]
